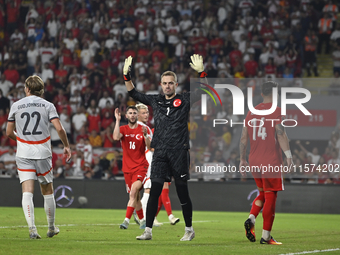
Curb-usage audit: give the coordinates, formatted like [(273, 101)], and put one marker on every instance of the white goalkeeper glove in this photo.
[(197, 63), (127, 68)]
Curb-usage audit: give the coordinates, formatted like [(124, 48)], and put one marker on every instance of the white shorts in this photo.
[(147, 183), (35, 169)]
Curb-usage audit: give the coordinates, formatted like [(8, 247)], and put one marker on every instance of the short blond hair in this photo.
[(169, 73), (35, 85), (141, 106)]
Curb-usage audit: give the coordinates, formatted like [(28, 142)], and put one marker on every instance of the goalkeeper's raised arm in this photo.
[(127, 74)]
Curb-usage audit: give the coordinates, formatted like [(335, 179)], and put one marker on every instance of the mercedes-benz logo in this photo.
[(65, 198)]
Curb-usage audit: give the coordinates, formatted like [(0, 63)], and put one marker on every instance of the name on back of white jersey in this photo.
[(30, 105)]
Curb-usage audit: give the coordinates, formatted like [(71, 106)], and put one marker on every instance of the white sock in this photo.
[(127, 219), (49, 205), (171, 216), (144, 201), (149, 230), (252, 218), (189, 229), (266, 235), (28, 207)]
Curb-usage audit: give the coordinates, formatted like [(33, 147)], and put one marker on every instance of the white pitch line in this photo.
[(99, 224), (309, 252)]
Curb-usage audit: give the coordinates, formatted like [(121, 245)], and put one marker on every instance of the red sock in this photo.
[(140, 214), (166, 201), (255, 209), (160, 203), (129, 212), (268, 212)]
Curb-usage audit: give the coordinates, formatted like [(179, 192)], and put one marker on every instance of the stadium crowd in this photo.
[(78, 47)]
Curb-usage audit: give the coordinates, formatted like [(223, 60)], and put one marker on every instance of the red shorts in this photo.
[(270, 184), (130, 178), (269, 180)]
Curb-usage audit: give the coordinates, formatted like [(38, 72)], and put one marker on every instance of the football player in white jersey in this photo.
[(30, 116), (143, 116)]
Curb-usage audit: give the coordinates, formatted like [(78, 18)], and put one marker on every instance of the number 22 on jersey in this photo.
[(261, 129)]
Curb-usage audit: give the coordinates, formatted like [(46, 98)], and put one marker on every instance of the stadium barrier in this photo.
[(206, 196)]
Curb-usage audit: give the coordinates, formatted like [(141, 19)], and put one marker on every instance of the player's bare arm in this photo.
[(126, 72), (284, 142), (243, 149), (116, 132), (146, 138), (10, 130), (63, 137)]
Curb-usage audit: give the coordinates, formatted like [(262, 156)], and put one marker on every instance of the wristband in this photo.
[(288, 154), (202, 74), (127, 77)]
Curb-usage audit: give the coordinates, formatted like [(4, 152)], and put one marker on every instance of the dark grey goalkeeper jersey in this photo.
[(171, 118)]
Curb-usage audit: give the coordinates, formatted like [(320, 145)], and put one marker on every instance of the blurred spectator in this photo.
[(336, 59), (325, 29), (314, 154), (75, 100), (310, 52), (97, 169), (95, 139), (5, 85), (88, 154), (78, 122), (335, 36), (59, 170), (47, 73), (11, 74), (251, 66), (47, 53), (65, 120), (9, 160), (16, 36)]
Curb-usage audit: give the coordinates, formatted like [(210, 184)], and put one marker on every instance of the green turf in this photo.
[(96, 231)]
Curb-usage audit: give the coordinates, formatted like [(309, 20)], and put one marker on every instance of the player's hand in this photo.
[(290, 164), (197, 63), (243, 165), (117, 114), (127, 65), (145, 131), (67, 152)]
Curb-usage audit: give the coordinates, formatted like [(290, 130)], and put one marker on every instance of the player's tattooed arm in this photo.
[(280, 130), (282, 137), (243, 143)]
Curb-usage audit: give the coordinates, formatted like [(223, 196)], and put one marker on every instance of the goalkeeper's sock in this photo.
[(268, 212)]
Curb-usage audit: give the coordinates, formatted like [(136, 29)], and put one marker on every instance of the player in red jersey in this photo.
[(135, 165), (267, 137)]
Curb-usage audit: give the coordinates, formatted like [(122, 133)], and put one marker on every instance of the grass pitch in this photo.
[(96, 231)]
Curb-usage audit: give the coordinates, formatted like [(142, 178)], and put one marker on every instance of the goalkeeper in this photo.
[(170, 141)]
